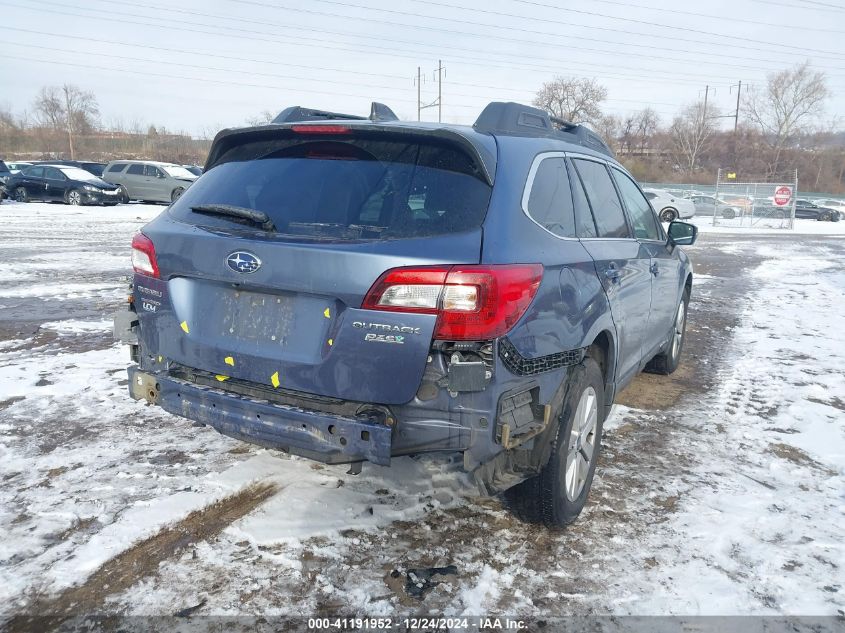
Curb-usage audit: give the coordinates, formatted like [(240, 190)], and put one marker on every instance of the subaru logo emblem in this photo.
[(243, 262)]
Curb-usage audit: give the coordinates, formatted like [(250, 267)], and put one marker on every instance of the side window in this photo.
[(642, 217), (550, 200), (585, 225), (135, 169), (35, 172), (115, 168), (604, 201), (53, 174)]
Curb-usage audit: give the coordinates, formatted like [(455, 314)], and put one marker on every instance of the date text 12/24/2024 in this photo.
[(407, 624)]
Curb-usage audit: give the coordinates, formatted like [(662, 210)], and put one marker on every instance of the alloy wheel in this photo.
[(678, 333), (74, 198), (581, 447)]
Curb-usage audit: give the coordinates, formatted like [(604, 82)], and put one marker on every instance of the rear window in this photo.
[(361, 189)]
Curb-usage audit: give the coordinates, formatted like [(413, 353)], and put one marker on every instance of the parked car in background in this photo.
[(89, 166), (196, 170), (353, 289), (16, 166), (811, 211), (147, 180), (709, 205), (831, 203), (61, 183), (5, 174), (668, 206)]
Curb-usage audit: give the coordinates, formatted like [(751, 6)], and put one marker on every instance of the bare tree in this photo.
[(646, 122), (262, 119), (49, 111), (609, 128), (81, 110), (788, 105), (689, 134), (572, 98)]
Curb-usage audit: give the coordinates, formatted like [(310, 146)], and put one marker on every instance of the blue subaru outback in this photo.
[(353, 289)]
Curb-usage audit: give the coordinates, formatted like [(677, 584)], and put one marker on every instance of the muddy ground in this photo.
[(488, 560)]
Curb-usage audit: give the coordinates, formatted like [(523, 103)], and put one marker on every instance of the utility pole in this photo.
[(69, 116), (419, 103), (706, 94), (439, 91), (736, 116)]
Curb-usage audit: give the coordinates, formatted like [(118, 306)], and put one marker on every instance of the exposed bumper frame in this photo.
[(323, 437)]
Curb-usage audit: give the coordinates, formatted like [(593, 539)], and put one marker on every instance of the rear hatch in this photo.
[(262, 265)]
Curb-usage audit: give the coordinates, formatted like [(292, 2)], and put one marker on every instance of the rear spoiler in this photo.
[(481, 149)]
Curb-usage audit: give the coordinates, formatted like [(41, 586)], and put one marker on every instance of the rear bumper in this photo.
[(323, 437)]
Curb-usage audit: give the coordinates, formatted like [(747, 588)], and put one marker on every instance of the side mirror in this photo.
[(682, 233)]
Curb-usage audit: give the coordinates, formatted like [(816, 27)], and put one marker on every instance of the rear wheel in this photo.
[(668, 215), (21, 195), (74, 197), (124, 195), (667, 361), (557, 495), (728, 214)]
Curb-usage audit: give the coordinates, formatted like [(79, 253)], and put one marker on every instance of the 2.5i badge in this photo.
[(381, 332)]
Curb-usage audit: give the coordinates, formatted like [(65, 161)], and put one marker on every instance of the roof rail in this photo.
[(297, 114), (521, 120)]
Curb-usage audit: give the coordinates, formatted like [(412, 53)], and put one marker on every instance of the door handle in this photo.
[(654, 269), (613, 274)]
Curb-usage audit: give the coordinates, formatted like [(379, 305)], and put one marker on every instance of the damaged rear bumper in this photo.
[(320, 436)]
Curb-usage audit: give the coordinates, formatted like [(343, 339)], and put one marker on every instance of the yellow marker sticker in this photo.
[(221, 378), (229, 361), (275, 380), (160, 359), (184, 326), (331, 341), (327, 313)]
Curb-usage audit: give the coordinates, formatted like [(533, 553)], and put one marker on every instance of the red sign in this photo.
[(783, 195)]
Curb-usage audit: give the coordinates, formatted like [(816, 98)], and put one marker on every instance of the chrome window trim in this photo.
[(529, 185), (608, 165)]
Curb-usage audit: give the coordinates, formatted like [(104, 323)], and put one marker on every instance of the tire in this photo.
[(74, 198), (557, 495), (124, 195), (667, 361), (668, 215), (176, 194), (21, 195), (729, 214)]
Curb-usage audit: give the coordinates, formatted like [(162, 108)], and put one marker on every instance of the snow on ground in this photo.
[(770, 227), (730, 499)]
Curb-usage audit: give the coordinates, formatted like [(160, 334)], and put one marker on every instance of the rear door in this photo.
[(157, 183), (665, 267), (33, 182), (55, 182), (622, 263), (135, 182), (282, 307)]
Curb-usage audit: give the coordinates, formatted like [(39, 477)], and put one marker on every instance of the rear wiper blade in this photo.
[(259, 217)]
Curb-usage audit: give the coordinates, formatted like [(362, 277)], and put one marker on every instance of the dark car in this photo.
[(61, 183), (89, 166), (5, 174), (352, 289), (811, 211)]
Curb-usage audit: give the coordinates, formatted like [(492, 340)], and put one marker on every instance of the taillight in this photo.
[(472, 303), (144, 256), (320, 129)]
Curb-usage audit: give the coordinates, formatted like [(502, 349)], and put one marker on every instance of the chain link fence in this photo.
[(767, 202)]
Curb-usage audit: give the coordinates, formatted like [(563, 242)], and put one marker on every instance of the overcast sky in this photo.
[(200, 65)]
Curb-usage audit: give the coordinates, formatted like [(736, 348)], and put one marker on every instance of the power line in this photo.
[(485, 62), (403, 42)]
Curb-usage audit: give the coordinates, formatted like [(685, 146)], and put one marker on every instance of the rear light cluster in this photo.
[(472, 303), (144, 256)]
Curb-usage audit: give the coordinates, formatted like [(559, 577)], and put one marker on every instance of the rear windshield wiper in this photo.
[(258, 217)]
